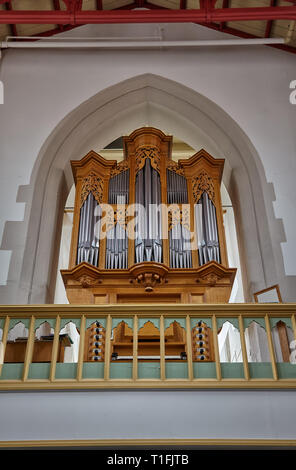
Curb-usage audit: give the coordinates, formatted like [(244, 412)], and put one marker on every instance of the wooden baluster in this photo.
[(216, 348), (29, 348), (81, 348), (293, 326), (135, 348), (271, 348), (189, 348), (55, 348), (162, 349), (243, 346), (293, 348), (108, 348), (4, 340)]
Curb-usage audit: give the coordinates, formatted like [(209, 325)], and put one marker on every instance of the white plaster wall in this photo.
[(251, 84), (200, 414)]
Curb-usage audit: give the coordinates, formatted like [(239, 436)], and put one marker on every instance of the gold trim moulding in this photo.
[(150, 443), (154, 309), (85, 384)]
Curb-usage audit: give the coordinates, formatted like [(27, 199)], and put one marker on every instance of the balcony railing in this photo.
[(148, 346)]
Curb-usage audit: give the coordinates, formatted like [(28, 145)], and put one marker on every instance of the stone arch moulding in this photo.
[(159, 102)]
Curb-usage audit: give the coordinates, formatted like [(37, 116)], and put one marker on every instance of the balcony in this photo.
[(147, 346)]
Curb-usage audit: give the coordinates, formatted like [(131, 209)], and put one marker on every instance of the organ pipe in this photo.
[(207, 230), (148, 178), (89, 230), (148, 244)]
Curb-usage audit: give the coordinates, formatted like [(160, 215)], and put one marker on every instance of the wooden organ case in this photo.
[(147, 228)]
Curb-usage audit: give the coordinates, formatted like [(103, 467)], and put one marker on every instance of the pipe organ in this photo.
[(147, 228)]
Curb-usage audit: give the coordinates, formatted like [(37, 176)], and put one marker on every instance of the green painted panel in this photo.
[(128, 321), (204, 370), (168, 321), (260, 370), (93, 370), (155, 321), (121, 370), (248, 321), (194, 321), (286, 370), (232, 370), (39, 370), (274, 320), (90, 321), (2, 321), (65, 321), (12, 371), (233, 321), (176, 370), (66, 370), (148, 370), (15, 321), (39, 321)]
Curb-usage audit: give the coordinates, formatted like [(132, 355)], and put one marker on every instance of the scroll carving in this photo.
[(201, 183), (174, 166), (87, 281), (94, 184), (148, 152), (177, 215), (120, 167)]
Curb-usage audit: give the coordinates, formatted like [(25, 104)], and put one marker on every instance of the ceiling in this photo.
[(270, 18)]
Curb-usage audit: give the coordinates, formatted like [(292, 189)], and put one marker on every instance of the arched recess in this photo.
[(156, 101)]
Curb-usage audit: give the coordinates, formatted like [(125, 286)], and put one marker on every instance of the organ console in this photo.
[(148, 342)]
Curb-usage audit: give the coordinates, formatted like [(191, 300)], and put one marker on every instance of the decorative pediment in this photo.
[(203, 161), (84, 274), (213, 272), (91, 163)]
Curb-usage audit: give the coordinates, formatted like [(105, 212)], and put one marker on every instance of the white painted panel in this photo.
[(148, 415)]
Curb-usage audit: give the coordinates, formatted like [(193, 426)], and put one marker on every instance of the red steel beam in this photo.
[(224, 5), (153, 6), (12, 26), (57, 7), (273, 3), (75, 16)]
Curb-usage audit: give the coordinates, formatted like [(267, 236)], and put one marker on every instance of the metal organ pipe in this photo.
[(179, 236), (148, 245), (116, 239), (88, 241), (207, 230)]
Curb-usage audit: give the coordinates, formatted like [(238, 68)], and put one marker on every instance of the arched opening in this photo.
[(156, 101), (180, 150)]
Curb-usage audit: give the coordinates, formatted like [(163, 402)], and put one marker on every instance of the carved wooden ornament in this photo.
[(94, 184), (201, 183), (148, 152)]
